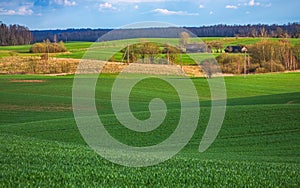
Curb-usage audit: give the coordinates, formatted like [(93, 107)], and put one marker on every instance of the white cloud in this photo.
[(136, 7), (65, 2), (231, 7), (135, 1), (106, 5), (69, 3), (7, 12), (170, 12), (201, 6), (23, 10), (211, 12), (252, 3)]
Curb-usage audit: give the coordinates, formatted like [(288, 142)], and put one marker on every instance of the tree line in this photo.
[(14, 35), (290, 30), (89, 35), (17, 35), (259, 30)]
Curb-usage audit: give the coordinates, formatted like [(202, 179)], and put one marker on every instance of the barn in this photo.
[(235, 49)]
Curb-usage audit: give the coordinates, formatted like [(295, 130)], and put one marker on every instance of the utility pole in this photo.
[(128, 54), (245, 71), (245, 62), (47, 49), (168, 57), (181, 51), (181, 61)]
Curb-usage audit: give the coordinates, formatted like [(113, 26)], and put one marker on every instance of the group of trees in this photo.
[(150, 52), (268, 55), (14, 35), (264, 56), (231, 63), (273, 56)]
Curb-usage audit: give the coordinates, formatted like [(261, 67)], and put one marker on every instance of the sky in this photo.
[(63, 14)]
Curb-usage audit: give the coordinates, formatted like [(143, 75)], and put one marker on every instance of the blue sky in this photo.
[(61, 14)]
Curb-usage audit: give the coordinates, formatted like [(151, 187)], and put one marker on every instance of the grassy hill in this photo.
[(258, 145)]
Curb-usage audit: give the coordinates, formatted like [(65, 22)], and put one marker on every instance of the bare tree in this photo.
[(184, 38)]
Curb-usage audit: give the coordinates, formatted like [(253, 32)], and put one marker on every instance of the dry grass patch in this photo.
[(35, 65), (27, 81), (64, 66), (36, 108)]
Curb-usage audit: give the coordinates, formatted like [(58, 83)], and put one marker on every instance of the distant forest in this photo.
[(16, 34), (291, 30)]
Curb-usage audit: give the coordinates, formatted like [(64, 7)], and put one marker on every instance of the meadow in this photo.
[(77, 49), (258, 145)]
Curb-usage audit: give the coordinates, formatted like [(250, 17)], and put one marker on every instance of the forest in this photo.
[(18, 35), (290, 30)]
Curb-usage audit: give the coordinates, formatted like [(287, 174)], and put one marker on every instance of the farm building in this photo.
[(196, 48), (235, 49)]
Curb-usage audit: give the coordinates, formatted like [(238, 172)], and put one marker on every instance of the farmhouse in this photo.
[(235, 49), (195, 48)]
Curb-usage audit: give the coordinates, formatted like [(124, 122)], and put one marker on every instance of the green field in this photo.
[(258, 145), (77, 49)]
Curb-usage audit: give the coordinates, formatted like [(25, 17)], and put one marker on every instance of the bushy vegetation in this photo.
[(273, 56), (231, 63), (48, 47), (262, 57), (147, 52)]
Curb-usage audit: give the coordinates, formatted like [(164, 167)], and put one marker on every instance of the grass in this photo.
[(78, 49), (258, 145)]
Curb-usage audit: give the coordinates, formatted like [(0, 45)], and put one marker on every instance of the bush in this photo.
[(38, 48), (231, 63), (272, 66), (47, 47), (260, 70)]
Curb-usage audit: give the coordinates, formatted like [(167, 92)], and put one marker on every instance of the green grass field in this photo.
[(258, 145), (77, 49)]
